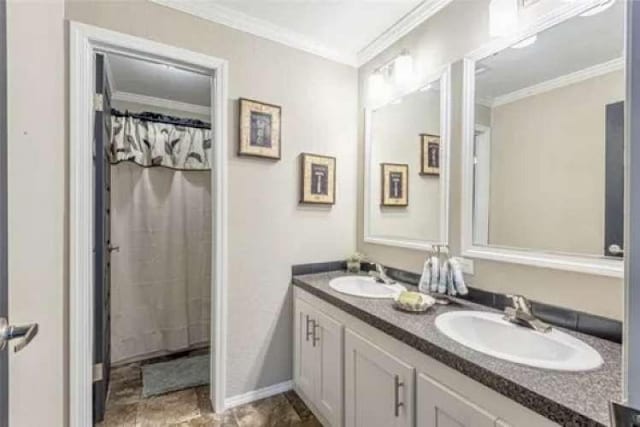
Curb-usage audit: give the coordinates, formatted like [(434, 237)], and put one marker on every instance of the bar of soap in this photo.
[(410, 298)]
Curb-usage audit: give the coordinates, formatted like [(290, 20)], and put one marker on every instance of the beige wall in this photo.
[(458, 29), (395, 138), (268, 230), (37, 159), (548, 167)]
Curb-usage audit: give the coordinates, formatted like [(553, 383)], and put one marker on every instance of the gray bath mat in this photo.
[(178, 374)]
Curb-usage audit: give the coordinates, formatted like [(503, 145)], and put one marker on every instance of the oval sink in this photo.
[(489, 333), (362, 286)]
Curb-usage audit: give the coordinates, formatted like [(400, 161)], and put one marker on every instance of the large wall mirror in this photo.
[(406, 168), (544, 147)]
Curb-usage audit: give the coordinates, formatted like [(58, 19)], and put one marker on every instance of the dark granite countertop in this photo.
[(567, 398)]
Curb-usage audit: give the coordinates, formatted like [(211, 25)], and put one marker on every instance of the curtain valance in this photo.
[(150, 139)]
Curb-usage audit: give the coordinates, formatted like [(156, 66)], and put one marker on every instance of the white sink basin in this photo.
[(489, 333), (362, 286)]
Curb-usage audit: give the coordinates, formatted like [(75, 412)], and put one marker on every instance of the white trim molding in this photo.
[(445, 143), (560, 261), (84, 42), (566, 80), (261, 393), (259, 27), (153, 101), (417, 16)]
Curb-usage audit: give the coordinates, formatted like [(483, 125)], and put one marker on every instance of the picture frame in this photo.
[(317, 179), (259, 133), (429, 154), (394, 188)]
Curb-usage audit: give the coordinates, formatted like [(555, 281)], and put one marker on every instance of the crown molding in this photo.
[(417, 16), (153, 101), (259, 27), (558, 82)]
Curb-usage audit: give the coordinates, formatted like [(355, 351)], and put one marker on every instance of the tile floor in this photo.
[(191, 407)]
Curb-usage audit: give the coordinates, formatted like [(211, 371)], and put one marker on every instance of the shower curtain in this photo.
[(161, 221)]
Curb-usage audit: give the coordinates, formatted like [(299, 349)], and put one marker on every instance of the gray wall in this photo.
[(458, 29), (395, 134), (548, 167), (268, 231)]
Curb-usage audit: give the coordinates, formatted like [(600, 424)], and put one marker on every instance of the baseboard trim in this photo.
[(254, 395)]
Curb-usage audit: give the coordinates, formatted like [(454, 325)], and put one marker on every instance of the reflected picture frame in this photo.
[(394, 188), (429, 154)]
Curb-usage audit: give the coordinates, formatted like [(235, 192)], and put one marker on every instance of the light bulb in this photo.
[(403, 69), (503, 17)]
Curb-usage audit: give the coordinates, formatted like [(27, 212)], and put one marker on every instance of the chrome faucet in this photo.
[(380, 274), (520, 313)]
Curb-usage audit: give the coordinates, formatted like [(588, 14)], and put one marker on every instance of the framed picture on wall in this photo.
[(318, 179), (259, 129), (395, 184), (429, 154)]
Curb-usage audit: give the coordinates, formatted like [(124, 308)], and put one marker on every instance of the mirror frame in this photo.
[(532, 257), (444, 76)]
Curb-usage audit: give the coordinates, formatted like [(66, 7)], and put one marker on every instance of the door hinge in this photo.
[(98, 102), (98, 369)]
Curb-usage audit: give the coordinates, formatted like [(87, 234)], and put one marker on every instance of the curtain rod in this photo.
[(161, 118)]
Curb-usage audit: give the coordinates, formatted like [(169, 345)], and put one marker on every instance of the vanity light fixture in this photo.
[(600, 7), (503, 17), (526, 42), (403, 68)]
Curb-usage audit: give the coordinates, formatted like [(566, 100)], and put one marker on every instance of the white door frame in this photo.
[(84, 41)]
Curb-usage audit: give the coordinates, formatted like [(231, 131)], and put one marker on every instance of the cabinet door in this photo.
[(306, 357), (440, 407), (378, 386), (330, 374)]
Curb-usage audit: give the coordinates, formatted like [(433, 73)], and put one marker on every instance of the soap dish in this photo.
[(422, 304)]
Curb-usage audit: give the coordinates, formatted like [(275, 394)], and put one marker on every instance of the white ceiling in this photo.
[(348, 31), (149, 79), (571, 46), (345, 25)]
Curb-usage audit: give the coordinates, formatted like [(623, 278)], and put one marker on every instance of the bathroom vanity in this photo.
[(360, 362)]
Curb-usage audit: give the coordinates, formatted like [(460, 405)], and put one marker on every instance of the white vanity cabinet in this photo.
[(350, 373), (378, 386), (318, 361), (438, 406)]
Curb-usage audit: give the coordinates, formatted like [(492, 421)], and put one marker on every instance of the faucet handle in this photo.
[(519, 302)]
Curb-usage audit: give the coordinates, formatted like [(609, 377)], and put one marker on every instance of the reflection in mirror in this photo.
[(406, 171), (548, 146)]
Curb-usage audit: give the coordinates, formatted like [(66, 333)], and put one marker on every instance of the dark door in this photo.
[(614, 181), (102, 261), (4, 363)]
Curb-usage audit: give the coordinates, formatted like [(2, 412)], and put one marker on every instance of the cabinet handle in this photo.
[(308, 333), (316, 339), (397, 404)]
